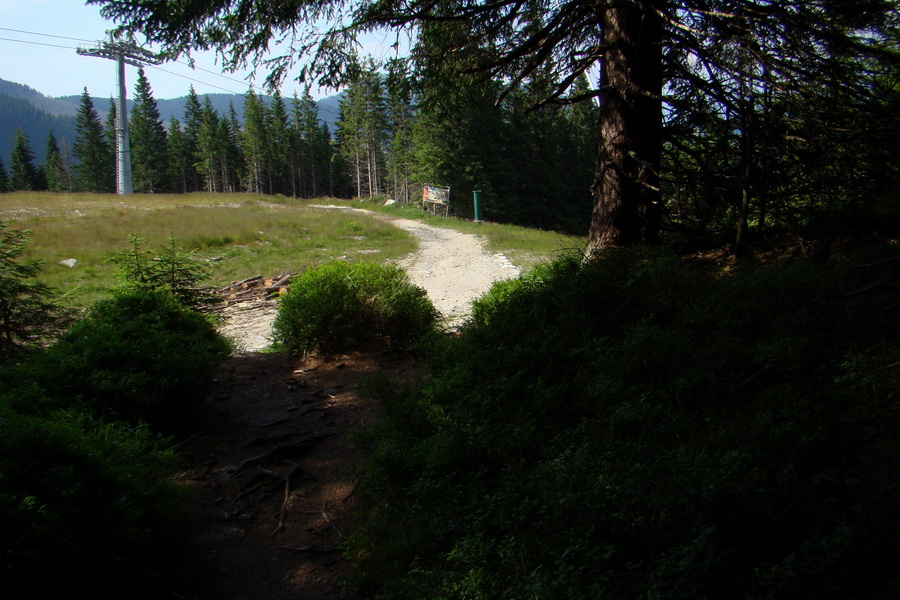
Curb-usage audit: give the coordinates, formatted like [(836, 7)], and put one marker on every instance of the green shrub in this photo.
[(85, 508), (140, 355), (633, 429), (171, 269), (26, 312), (336, 302)]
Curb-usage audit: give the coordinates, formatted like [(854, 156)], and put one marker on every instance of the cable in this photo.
[(62, 37), (36, 43)]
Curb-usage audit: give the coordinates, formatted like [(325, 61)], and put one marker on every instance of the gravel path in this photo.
[(452, 267)]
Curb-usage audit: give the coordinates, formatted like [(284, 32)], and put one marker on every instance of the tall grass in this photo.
[(241, 234)]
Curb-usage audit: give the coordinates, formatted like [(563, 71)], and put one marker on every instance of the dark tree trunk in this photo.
[(627, 207)]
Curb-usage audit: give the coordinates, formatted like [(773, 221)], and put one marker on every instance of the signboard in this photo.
[(434, 194), (434, 198)]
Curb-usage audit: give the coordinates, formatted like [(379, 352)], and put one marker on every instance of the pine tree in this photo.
[(193, 114), (95, 171), (52, 164), (312, 147), (255, 144), (233, 160), (4, 178), (362, 130), (178, 163), (282, 161), (22, 172), (209, 148), (400, 117), (148, 141)]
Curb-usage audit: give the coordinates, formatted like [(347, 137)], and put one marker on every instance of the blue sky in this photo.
[(51, 66)]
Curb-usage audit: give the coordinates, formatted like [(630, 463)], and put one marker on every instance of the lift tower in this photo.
[(122, 51)]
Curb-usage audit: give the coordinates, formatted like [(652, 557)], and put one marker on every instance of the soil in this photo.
[(271, 459)]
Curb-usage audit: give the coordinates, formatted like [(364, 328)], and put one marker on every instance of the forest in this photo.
[(701, 402)]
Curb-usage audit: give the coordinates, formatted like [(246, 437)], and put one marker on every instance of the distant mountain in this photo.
[(22, 107)]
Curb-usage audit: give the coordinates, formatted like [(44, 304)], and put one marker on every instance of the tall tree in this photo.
[(4, 178), (362, 131), (178, 162), (193, 114), (148, 141), (210, 147), (255, 143), (22, 172), (640, 44), (94, 170), (53, 164)]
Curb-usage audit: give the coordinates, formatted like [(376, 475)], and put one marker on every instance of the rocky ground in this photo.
[(271, 461)]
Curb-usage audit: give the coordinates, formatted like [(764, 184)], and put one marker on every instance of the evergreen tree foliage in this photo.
[(178, 163), (26, 311), (782, 80), (4, 178), (209, 148), (312, 147), (22, 172), (255, 144), (148, 141), (52, 164), (282, 161), (193, 114), (95, 170), (362, 132)]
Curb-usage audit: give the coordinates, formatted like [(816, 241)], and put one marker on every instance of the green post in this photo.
[(476, 195)]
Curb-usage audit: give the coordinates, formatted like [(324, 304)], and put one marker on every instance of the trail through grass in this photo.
[(241, 234)]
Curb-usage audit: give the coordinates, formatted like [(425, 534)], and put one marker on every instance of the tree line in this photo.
[(276, 150), (389, 141), (714, 116)]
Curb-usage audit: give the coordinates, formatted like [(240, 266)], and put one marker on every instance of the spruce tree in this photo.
[(95, 170), (255, 143), (52, 164), (22, 172), (178, 164), (4, 178), (148, 141), (193, 114), (209, 148), (282, 161)]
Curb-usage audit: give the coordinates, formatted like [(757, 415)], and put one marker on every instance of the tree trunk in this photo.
[(627, 207)]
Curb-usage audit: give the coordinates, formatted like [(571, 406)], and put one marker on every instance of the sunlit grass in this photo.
[(241, 235)]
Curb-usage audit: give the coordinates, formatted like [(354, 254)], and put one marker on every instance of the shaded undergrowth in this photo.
[(636, 429)]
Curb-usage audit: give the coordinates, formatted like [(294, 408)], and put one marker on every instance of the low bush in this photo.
[(171, 270), (137, 356), (86, 508), (337, 302), (634, 429)]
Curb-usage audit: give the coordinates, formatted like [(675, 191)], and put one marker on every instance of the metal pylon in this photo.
[(122, 51)]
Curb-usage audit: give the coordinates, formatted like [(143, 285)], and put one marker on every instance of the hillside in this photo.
[(24, 107)]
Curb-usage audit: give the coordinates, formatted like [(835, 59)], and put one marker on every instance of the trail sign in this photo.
[(436, 198)]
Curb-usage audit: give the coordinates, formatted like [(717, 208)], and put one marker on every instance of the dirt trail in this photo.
[(452, 267), (270, 461)]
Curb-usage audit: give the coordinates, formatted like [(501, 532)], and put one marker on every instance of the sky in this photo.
[(38, 39)]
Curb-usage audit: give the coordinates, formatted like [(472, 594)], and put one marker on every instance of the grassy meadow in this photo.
[(240, 234)]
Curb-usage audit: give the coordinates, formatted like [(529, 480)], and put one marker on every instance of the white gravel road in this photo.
[(452, 267)]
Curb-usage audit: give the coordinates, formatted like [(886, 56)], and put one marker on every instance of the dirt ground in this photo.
[(272, 464)]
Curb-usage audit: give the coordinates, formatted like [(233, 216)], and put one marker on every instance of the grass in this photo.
[(242, 234)]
